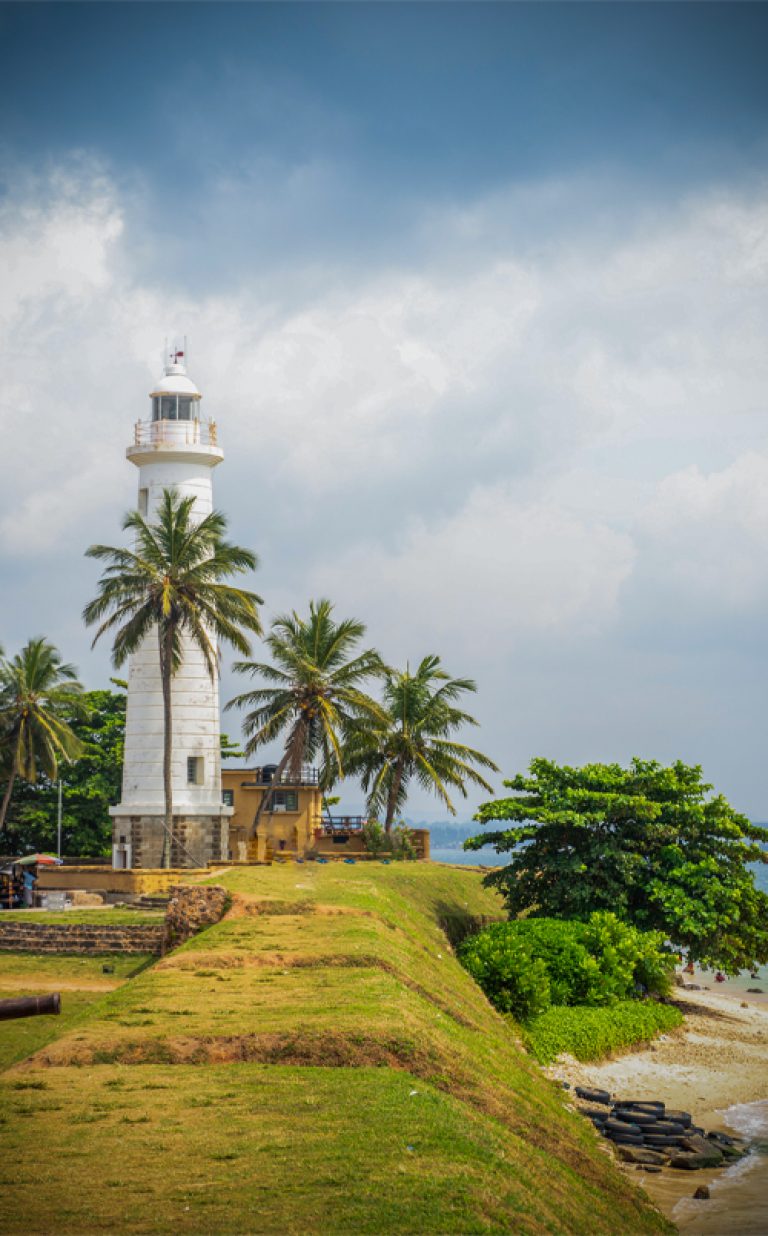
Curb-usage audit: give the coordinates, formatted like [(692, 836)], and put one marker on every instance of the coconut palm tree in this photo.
[(37, 692), (169, 588), (414, 742), (314, 693)]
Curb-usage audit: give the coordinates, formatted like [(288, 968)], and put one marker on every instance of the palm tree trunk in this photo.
[(394, 790), (293, 755), (166, 662), (11, 779), (7, 798), (268, 794)]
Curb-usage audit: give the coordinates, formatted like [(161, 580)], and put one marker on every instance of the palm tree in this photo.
[(170, 585), (414, 741), (37, 692), (315, 694)]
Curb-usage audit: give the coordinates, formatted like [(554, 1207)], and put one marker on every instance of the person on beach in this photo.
[(719, 977)]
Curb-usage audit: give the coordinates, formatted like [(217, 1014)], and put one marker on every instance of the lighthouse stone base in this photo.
[(137, 840)]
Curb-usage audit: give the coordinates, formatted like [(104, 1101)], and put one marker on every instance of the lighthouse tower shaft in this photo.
[(175, 449)]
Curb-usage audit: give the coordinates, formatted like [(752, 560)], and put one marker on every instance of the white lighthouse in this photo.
[(176, 448)]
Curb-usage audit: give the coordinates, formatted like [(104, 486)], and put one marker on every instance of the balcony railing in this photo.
[(175, 433), (266, 776), (335, 824)]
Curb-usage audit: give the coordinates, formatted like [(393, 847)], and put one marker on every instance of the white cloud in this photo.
[(707, 533), (57, 251), (507, 459), (511, 570)]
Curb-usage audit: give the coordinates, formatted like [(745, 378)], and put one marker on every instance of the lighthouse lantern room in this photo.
[(174, 448)]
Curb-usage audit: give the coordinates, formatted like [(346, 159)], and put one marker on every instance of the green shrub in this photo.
[(629, 957), (399, 842), (513, 980), (589, 1033), (575, 975), (402, 845), (593, 963), (375, 839)]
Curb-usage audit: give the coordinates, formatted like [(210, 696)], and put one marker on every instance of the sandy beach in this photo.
[(716, 1060)]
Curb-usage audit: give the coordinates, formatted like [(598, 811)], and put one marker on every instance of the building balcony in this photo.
[(341, 825), (308, 776)]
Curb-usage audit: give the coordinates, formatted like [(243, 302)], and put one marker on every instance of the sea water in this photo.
[(487, 857), (738, 1201)]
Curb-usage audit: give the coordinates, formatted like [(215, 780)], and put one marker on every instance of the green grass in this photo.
[(243, 1149), (591, 1033), (40, 971), (329, 1067), (109, 916), (81, 982)]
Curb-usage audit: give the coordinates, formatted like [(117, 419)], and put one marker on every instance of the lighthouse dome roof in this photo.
[(175, 382)]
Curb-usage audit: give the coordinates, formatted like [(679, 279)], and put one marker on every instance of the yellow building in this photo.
[(290, 822)]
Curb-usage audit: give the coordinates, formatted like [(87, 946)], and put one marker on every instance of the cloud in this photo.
[(534, 459), (516, 572), (56, 252), (706, 533)]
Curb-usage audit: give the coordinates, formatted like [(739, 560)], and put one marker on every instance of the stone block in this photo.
[(639, 1154)]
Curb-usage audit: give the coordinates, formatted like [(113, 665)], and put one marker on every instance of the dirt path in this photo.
[(23, 982)]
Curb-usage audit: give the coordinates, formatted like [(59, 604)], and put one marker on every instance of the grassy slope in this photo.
[(209, 1103)]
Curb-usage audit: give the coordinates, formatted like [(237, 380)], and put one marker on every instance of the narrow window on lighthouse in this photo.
[(143, 501), (194, 770)]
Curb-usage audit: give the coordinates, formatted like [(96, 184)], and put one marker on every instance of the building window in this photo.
[(285, 800), (194, 770), (143, 501), (228, 798)]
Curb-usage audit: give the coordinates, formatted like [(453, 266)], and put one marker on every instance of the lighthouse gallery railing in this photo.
[(175, 433)]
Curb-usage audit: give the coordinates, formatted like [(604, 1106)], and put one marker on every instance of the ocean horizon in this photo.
[(453, 852)]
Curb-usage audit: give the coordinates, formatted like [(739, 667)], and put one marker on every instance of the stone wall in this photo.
[(192, 907), (23, 937), (197, 840)]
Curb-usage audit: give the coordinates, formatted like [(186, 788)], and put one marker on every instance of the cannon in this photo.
[(30, 1006)]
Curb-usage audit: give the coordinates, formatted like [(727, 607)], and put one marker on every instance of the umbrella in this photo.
[(40, 860)]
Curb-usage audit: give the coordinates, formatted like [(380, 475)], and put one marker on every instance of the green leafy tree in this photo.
[(90, 784), (171, 588), (651, 843), (38, 692), (230, 750), (314, 693), (413, 741)]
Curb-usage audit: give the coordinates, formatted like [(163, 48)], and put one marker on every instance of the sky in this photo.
[(477, 296)]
